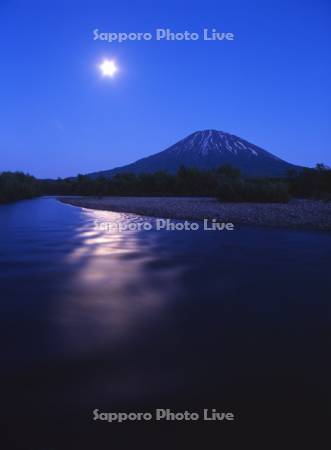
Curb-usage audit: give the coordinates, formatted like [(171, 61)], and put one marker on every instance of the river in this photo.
[(92, 318)]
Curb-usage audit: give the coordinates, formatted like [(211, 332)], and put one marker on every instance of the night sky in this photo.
[(60, 117)]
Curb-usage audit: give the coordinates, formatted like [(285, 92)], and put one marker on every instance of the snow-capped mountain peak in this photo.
[(211, 140), (209, 149)]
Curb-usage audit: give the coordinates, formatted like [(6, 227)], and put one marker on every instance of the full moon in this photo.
[(108, 68)]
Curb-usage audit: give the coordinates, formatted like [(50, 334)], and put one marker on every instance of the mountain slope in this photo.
[(208, 149)]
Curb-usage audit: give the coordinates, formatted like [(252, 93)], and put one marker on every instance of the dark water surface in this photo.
[(132, 321)]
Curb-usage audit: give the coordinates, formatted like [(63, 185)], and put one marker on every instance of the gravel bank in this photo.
[(310, 214)]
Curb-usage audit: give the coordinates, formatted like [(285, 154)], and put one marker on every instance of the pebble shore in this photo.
[(305, 214)]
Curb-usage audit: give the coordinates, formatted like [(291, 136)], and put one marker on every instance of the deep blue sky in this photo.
[(59, 117)]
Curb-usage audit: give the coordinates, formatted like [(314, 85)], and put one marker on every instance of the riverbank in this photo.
[(305, 214)]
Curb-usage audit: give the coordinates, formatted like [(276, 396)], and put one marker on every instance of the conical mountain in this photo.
[(209, 149)]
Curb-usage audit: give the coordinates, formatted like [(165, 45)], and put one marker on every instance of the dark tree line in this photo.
[(311, 183), (18, 186), (225, 183), (187, 182)]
